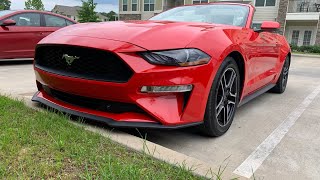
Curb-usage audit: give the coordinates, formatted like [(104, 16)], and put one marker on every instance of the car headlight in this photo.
[(179, 57)]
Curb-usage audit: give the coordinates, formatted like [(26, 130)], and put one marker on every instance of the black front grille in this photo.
[(94, 104), (92, 64)]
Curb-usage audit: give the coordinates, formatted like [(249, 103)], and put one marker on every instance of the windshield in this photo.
[(214, 13), (3, 13)]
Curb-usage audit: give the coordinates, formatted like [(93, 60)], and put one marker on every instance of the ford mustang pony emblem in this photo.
[(69, 59)]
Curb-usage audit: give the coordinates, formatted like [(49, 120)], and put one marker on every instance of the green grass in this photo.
[(45, 145)]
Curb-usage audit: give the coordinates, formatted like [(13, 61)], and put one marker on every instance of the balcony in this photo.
[(303, 6), (303, 10)]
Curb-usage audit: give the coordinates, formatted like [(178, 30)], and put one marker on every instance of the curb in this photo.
[(306, 55), (137, 144)]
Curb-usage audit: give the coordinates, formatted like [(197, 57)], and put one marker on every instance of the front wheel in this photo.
[(223, 99)]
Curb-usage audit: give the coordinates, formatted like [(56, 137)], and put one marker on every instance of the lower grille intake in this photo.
[(94, 104)]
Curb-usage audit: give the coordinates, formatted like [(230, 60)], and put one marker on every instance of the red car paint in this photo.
[(263, 54), (20, 41)]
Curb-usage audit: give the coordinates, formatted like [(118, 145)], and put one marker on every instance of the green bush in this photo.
[(306, 49)]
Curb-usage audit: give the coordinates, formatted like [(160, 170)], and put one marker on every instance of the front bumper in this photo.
[(38, 97), (162, 110)]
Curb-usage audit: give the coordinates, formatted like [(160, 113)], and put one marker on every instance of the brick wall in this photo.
[(282, 12), (130, 17), (318, 34)]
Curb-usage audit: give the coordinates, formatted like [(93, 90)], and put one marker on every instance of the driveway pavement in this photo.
[(274, 136)]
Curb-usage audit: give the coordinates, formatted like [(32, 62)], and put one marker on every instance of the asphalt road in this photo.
[(274, 136)]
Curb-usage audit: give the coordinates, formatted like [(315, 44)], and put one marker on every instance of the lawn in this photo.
[(43, 145)]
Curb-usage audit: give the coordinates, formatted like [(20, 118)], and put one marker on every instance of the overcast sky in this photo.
[(103, 5)]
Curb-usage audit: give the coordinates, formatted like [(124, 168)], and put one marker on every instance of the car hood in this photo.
[(151, 35)]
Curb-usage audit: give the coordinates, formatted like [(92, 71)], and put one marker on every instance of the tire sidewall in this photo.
[(279, 88), (210, 121)]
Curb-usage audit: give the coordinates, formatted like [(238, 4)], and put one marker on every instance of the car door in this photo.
[(53, 23), (264, 52), (19, 41)]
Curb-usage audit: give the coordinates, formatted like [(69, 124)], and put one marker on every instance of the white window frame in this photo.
[(201, 1), (137, 3), (154, 4), (304, 40), (292, 33), (290, 29), (124, 4), (265, 3)]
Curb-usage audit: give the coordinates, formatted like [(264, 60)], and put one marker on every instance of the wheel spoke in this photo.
[(232, 97), (223, 88), (225, 115), (231, 102), (219, 104), (219, 110), (232, 78), (224, 82)]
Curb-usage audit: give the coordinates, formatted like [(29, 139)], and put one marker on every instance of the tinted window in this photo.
[(54, 21), (256, 26), (26, 19), (69, 23)]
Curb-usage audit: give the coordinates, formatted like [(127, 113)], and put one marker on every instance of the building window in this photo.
[(124, 5), (295, 37), (262, 3), (134, 5), (148, 5), (307, 38), (199, 1)]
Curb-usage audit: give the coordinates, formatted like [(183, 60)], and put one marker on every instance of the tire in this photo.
[(223, 100), (283, 78)]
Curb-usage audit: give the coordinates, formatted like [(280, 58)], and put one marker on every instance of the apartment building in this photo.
[(72, 12), (299, 19)]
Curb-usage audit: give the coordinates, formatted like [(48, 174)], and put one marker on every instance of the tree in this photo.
[(87, 13), (5, 5), (34, 5), (111, 15)]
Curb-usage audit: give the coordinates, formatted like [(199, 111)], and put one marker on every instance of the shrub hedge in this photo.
[(306, 49)]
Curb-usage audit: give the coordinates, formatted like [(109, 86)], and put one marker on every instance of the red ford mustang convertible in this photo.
[(188, 66)]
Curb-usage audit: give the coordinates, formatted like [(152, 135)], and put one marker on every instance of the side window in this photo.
[(27, 19), (256, 26), (54, 21), (69, 23)]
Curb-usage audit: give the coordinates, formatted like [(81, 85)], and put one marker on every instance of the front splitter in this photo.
[(110, 122)]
